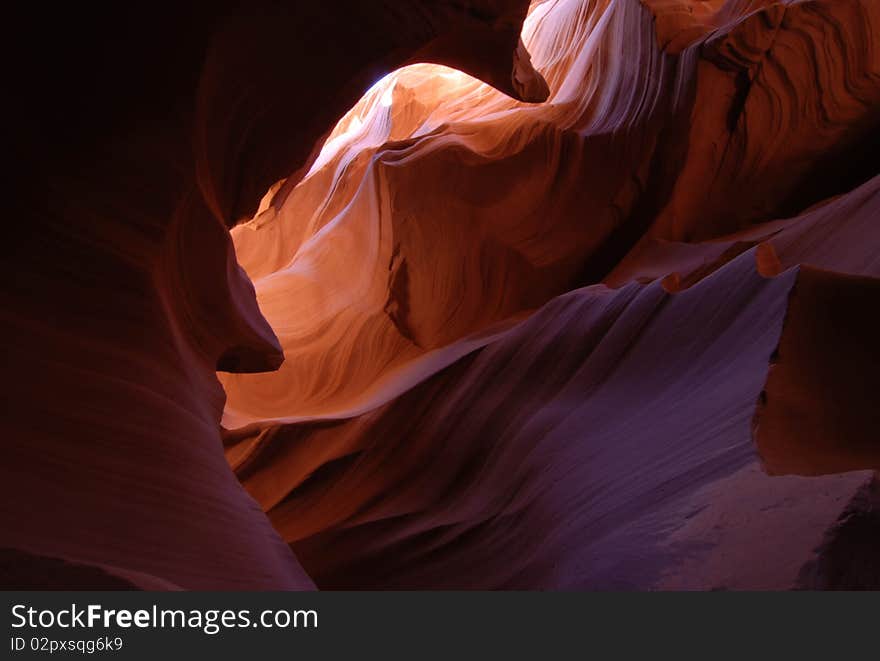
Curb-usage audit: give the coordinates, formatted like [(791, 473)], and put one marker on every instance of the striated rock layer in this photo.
[(448, 416), (576, 295), (123, 295)]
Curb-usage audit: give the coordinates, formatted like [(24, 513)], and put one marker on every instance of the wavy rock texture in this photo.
[(445, 418), (125, 296), (571, 453), (602, 316)]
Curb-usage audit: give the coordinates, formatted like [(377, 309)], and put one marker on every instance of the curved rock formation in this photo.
[(126, 296), (671, 142), (577, 294), (596, 425)]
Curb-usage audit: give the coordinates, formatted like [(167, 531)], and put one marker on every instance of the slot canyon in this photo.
[(443, 294)]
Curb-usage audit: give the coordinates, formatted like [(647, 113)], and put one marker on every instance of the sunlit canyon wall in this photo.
[(576, 295)]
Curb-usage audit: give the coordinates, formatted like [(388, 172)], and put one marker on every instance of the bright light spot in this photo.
[(387, 97)]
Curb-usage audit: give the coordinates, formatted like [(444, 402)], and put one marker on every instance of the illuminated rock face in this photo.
[(127, 295), (448, 416), (609, 325)]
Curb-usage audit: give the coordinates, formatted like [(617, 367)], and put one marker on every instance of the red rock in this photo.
[(126, 296), (609, 325)]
